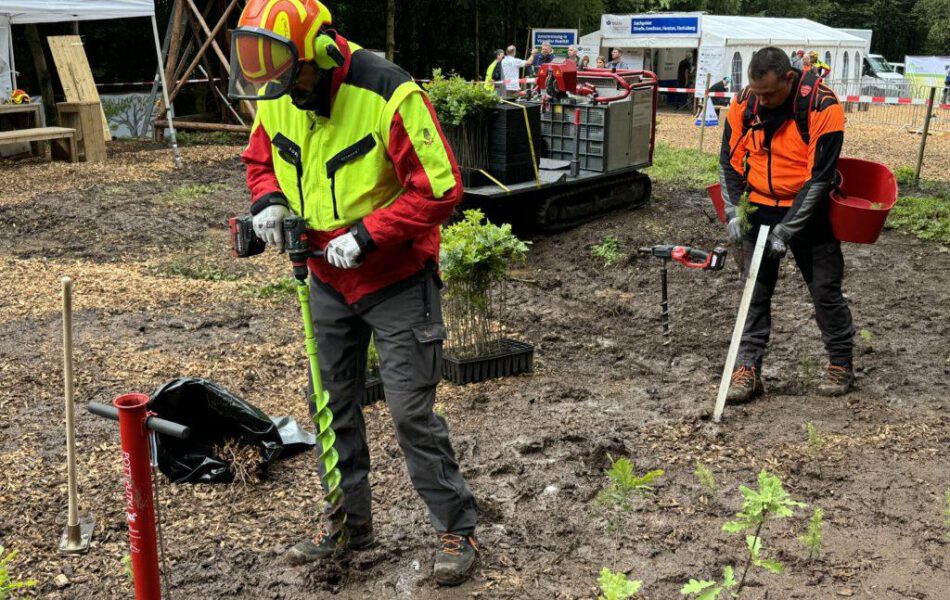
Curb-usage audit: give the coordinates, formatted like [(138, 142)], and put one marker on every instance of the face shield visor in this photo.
[(263, 64)]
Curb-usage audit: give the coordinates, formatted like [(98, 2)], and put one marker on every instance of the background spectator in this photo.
[(616, 61), (511, 67)]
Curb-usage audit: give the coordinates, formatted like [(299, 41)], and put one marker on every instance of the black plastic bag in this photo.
[(216, 416)]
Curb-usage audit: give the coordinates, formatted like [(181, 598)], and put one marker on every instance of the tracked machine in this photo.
[(569, 150)]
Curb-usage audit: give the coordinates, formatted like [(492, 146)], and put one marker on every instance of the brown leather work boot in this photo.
[(455, 558), (746, 385), (839, 380)]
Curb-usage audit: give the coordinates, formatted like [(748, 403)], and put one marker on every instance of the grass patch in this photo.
[(684, 166), (285, 286), (180, 268), (209, 138), (927, 217), (195, 191)]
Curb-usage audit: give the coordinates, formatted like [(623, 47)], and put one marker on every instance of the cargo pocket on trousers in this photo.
[(429, 338)]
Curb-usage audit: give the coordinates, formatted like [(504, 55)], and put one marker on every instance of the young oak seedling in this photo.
[(7, 582), (625, 484), (616, 586), (769, 502), (814, 537), (705, 589), (608, 250)]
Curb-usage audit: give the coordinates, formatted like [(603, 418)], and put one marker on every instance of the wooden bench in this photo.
[(62, 140)]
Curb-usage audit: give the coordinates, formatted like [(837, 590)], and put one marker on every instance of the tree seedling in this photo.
[(769, 502), (608, 250), (744, 211), (867, 337), (616, 586), (946, 511), (706, 478), (705, 589), (813, 538), (7, 582), (127, 569), (625, 484), (816, 446), (808, 367)]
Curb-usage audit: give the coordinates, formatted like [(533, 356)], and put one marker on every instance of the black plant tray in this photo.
[(511, 358), (373, 391)]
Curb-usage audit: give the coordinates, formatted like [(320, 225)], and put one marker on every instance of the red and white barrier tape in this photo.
[(857, 99)]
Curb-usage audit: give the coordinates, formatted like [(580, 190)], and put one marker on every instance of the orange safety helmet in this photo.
[(19, 97), (272, 39)]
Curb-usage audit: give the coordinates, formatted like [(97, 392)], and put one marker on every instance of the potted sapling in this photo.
[(463, 109), (475, 259)]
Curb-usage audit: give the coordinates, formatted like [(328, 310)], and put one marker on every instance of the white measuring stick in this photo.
[(740, 322)]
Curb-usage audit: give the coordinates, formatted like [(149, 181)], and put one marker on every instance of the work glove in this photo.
[(734, 230), (775, 246), (269, 225), (344, 252)]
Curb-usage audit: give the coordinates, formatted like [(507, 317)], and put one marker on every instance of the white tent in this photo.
[(16, 12), (725, 44)]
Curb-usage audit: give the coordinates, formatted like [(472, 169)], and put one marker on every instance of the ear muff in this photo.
[(326, 53)]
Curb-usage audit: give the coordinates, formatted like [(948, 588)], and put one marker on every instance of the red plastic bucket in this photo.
[(861, 203), (715, 194)]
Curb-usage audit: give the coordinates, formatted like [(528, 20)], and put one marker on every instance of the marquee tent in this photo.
[(16, 12), (725, 44)]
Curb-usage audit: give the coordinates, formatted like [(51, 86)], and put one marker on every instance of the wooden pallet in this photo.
[(75, 74), (62, 140)]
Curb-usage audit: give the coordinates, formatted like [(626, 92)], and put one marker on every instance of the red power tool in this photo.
[(689, 257)]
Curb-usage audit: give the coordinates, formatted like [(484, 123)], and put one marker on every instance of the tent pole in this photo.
[(12, 59), (168, 106)]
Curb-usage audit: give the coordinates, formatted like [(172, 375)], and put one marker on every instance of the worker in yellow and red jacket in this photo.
[(349, 142), (781, 145)]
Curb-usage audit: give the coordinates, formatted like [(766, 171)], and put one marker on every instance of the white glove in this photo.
[(343, 252), (269, 225), (734, 230)]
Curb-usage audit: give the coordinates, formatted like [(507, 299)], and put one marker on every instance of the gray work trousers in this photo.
[(406, 323), (818, 256)]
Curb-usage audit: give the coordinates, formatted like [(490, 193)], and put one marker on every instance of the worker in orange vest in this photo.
[(780, 145)]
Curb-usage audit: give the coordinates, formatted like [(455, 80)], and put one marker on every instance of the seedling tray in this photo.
[(511, 358), (373, 391)]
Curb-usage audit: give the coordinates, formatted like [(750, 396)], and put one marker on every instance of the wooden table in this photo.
[(34, 109)]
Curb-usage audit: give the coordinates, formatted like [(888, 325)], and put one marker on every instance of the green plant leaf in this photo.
[(616, 586), (735, 527), (696, 586), (755, 546), (773, 566), (728, 577)]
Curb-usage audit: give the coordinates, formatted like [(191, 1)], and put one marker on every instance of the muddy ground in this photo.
[(157, 296)]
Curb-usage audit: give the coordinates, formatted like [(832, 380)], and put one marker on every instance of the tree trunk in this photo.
[(390, 29), (42, 73)]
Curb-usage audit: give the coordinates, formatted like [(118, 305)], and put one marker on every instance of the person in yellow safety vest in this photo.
[(494, 76), (350, 142), (822, 69)]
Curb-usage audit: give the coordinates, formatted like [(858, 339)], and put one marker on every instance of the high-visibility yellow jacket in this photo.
[(371, 158)]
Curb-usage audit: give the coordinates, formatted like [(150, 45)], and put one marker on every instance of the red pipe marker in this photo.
[(139, 501)]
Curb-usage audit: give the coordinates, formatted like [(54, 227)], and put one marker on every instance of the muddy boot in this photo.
[(326, 546), (455, 559), (746, 385), (839, 381)]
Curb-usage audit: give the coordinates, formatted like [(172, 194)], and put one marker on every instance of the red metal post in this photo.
[(139, 505)]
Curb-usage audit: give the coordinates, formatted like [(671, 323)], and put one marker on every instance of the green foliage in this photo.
[(814, 536), (706, 478), (904, 175), (946, 511), (608, 250), (705, 589), (686, 167), (372, 358), (201, 272), (926, 217), (209, 138), (456, 100), (625, 484), (127, 569), (867, 337), (7, 583), (285, 286), (744, 211), (192, 192), (479, 253), (616, 586), (807, 367), (754, 544), (770, 501), (816, 443)]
